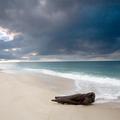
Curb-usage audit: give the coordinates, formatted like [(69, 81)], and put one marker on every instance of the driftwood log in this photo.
[(76, 99)]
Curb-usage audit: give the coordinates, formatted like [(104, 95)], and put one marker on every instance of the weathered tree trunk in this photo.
[(77, 99)]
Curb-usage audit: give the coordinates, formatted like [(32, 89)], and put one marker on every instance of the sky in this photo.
[(59, 30)]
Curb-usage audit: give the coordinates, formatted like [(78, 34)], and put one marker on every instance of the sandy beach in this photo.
[(28, 97)]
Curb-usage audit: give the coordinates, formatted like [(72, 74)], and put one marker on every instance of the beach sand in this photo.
[(28, 97)]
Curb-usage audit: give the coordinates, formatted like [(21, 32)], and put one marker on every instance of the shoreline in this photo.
[(28, 96), (62, 85)]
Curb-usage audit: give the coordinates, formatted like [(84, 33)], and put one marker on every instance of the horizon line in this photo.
[(5, 61)]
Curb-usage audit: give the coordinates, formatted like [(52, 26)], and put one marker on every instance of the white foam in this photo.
[(9, 68), (6, 66), (82, 76)]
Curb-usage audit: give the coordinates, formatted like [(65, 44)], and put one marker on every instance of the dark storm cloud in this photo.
[(51, 27)]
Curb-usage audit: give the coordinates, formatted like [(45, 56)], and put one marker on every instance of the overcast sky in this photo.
[(60, 29)]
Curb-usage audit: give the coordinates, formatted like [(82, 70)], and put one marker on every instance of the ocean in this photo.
[(101, 77)]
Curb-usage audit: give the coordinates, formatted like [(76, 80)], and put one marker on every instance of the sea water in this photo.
[(101, 77)]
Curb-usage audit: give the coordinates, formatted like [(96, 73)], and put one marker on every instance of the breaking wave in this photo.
[(106, 88)]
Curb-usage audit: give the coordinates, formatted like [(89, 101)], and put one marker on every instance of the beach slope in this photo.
[(26, 97)]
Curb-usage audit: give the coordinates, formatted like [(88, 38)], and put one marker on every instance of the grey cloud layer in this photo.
[(52, 27)]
